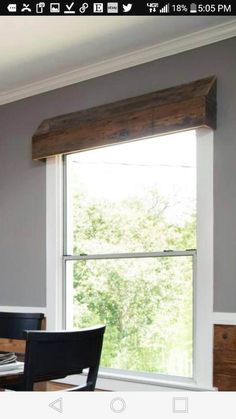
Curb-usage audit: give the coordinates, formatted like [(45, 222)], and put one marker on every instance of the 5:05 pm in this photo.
[(211, 8)]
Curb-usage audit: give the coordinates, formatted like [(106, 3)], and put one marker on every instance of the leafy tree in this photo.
[(146, 303)]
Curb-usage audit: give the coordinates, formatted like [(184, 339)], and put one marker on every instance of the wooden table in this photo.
[(18, 347), (7, 378), (18, 378)]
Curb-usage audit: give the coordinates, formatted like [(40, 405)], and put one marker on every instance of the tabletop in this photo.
[(11, 376)]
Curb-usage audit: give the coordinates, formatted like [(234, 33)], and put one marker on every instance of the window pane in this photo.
[(147, 306), (133, 197)]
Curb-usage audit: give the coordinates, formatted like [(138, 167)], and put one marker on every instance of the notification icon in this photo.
[(127, 8), (12, 8)]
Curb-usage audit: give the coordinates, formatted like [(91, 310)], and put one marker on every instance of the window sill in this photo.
[(120, 382)]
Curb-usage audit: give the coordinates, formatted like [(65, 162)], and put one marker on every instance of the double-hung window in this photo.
[(130, 252), (137, 211)]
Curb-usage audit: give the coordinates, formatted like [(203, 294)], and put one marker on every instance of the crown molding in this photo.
[(121, 62)]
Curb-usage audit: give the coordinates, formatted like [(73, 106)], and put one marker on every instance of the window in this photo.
[(130, 251), (132, 230)]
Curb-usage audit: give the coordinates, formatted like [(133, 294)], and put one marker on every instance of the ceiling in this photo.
[(42, 53)]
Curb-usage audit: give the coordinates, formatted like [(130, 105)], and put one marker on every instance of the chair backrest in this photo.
[(12, 325), (53, 355)]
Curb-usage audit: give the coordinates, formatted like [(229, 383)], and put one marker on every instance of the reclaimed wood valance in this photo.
[(179, 108)]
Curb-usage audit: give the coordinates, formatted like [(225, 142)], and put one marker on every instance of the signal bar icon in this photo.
[(165, 9)]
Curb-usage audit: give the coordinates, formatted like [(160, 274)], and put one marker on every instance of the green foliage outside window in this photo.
[(146, 303)]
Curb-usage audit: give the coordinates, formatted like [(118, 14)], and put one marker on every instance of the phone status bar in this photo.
[(75, 8)]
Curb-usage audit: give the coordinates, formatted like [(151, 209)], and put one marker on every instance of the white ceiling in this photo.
[(42, 53)]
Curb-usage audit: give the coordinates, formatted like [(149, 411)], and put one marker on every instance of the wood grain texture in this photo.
[(225, 382), (188, 106), (44, 324), (51, 386), (224, 370), (12, 345), (6, 380), (17, 345)]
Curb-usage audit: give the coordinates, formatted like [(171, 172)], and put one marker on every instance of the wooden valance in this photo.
[(179, 108)]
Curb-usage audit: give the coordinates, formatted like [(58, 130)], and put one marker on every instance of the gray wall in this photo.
[(22, 182)]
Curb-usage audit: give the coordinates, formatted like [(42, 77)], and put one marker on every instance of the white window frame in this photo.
[(203, 331)]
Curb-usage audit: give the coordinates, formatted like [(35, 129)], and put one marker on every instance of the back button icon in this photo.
[(57, 405)]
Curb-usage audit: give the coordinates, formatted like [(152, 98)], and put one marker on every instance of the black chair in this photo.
[(54, 355), (12, 325)]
